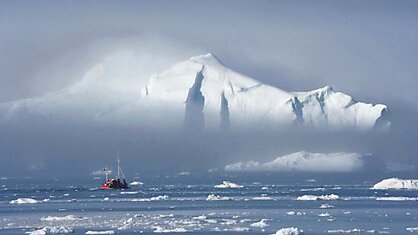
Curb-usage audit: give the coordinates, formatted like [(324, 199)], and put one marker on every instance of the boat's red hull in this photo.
[(105, 187)]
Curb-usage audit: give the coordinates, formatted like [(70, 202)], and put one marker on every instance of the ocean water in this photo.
[(178, 205)]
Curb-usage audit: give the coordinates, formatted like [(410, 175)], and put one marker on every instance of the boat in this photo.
[(119, 182)]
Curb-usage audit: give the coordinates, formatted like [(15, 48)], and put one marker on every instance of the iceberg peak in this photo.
[(206, 59)]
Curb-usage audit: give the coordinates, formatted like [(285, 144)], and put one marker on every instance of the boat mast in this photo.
[(119, 170)]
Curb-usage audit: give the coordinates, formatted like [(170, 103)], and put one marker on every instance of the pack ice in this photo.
[(200, 93)]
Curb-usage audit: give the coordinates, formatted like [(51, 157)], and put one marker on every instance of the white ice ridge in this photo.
[(198, 93), (100, 232), (304, 161), (395, 183)]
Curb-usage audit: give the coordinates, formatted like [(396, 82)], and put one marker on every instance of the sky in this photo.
[(367, 49)]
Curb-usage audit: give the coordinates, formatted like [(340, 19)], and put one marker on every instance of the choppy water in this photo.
[(149, 208)]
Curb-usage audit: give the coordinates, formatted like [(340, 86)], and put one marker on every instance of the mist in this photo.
[(367, 50)]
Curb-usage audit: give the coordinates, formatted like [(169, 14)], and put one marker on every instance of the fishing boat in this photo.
[(119, 182)]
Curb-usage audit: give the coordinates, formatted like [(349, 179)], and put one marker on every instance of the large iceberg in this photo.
[(395, 183), (199, 93)]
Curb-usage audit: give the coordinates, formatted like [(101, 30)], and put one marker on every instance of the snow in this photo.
[(110, 93), (51, 230), (395, 183), (228, 184), (315, 198), (288, 231), (213, 197), (100, 232), (24, 201), (306, 162)]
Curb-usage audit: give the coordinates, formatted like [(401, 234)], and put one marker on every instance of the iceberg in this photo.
[(395, 183), (305, 162), (199, 93)]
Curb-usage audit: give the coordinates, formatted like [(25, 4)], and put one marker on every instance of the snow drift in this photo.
[(395, 183), (305, 161), (199, 93)]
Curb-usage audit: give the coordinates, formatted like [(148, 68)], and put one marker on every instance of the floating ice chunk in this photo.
[(397, 199), (128, 192), (289, 231), (414, 229), (200, 217), (157, 198), (260, 224), (228, 184), (213, 197), (184, 173), (100, 232), (299, 213), (326, 214), (326, 206), (262, 198), (24, 201), (136, 183), (314, 197), (395, 183), (265, 188), (51, 230), (354, 230), (62, 218), (172, 230)]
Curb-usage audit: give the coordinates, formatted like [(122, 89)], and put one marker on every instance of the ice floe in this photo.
[(51, 230), (100, 232), (136, 183), (24, 201), (414, 229), (213, 197), (395, 183), (171, 230), (260, 224), (157, 198), (62, 218), (314, 197), (326, 206), (397, 198), (288, 231), (228, 184)]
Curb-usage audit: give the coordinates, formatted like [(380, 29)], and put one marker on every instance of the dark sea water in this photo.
[(179, 204)]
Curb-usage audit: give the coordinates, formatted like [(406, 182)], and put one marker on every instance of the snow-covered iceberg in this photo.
[(304, 161), (197, 93), (395, 183)]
